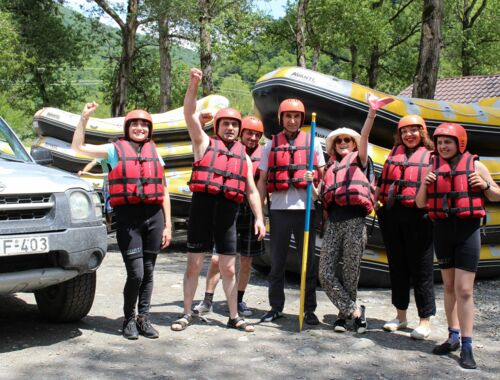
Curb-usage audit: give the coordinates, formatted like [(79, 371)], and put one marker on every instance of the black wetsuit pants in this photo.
[(139, 234), (283, 224), (408, 240)]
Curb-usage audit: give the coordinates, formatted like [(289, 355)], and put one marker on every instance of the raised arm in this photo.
[(198, 136), (78, 143), (365, 134)]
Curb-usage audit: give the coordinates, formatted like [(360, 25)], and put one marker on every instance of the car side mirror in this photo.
[(42, 156)]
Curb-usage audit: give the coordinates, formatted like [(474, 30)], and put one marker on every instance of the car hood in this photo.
[(23, 178)]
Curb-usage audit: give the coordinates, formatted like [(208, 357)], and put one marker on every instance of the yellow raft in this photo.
[(341, 103), (168, 126)]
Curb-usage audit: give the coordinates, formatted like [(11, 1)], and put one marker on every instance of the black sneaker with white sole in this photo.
[(340, 325), (271, 315), (204, 307), (360, 324)]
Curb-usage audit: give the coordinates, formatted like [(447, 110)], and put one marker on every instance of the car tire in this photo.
[(69, 301)]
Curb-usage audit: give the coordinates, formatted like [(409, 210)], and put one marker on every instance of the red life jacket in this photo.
[(255, 157), (221, 170), (287, 163), (347, 184), (138, 176), (401, 176), (451, 193)]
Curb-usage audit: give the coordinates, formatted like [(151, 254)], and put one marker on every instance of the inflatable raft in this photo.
[(341, 103), (374, 265), (175, 154), (168, 126)]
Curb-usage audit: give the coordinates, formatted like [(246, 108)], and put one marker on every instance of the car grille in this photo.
[(25, 206)]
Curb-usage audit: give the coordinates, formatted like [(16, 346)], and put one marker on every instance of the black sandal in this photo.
[(184, 321), (244, 326)]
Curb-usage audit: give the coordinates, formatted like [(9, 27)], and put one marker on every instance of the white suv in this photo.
[(52, 239)]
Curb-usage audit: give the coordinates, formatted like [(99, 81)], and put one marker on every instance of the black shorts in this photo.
[(212, 220), (139, 229), (248, 245), (457, 243)]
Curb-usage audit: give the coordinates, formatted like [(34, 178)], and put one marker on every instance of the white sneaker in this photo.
[(421, 332), (394, 325)]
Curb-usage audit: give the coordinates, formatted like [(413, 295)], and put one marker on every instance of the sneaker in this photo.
[(394, 325), (340, 325), (244, 310), (360, 324), (310, 318), (129, 330), (446, 347), (146, 328), (421, 332), (204, 307), (271, 315), (467, 360)]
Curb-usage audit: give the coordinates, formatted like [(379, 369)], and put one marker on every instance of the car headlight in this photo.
[(79, 205), (98, 205)]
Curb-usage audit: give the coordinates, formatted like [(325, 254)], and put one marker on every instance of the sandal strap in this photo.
[(235, 320)]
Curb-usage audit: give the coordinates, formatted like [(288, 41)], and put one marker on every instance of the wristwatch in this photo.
[(488, 185)]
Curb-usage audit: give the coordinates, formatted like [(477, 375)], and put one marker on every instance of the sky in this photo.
[(276, 8)]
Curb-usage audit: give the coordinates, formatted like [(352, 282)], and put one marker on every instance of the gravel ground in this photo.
[(94, 348)]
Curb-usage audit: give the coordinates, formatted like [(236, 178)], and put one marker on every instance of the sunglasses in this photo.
[(346, 140)]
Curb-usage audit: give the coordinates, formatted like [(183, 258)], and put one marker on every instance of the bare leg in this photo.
[(228, 273), (193, 269), (464, 286), (401, 315), (244, 274), (450, 301), (213, 274)]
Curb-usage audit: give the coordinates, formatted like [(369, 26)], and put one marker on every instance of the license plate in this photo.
[(11, 246)]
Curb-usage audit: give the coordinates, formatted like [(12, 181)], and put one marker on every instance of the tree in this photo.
[(301, 32), (46, 78), (128, 29), (424, 85)]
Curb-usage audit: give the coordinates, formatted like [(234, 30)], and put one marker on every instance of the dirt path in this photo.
[(93, 348)]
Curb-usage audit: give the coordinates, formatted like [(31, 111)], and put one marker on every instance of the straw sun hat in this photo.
[(330, 139)]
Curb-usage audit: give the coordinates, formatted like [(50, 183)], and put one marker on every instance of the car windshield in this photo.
[(11, 148)]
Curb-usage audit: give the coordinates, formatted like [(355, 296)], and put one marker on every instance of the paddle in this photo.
[(306, 227)]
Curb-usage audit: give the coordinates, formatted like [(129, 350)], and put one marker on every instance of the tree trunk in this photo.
[(374, 67), (128, 31), (315, 57), (426, 74), (301, 33), (354, 64), (206, 47), (165, 64)]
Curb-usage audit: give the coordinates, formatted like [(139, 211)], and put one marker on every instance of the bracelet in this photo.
[(488, 185), (370, 117)]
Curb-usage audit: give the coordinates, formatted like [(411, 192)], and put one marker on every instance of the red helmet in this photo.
[(452, 130), (138, 115), (226, 113), (252, 123), (412, 120), (291, 105)]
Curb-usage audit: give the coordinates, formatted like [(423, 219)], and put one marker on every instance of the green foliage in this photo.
[(238, 93)]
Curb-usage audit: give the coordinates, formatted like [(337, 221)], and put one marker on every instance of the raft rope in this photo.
[(449, 109)]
